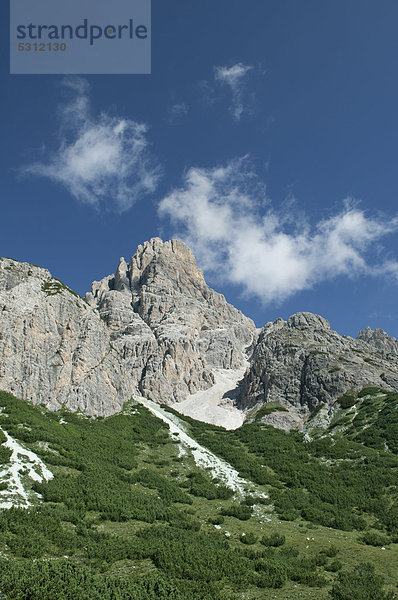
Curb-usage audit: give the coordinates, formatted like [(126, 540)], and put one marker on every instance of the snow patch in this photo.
[(216, 405), (23, 463), (203, 457)]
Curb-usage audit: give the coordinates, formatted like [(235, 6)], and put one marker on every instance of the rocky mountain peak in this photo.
[(161, 279), (172, 252), (379, 339), (171, 326), (13, 273), (301, 363), (170, 264), (155, 327), (307, 320)]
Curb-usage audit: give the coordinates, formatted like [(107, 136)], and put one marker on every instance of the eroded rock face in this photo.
[(302, 363), (171, 328), (156, 328), (380, 340), (54, 348)]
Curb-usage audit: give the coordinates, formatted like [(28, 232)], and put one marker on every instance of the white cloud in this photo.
[(234, 77), (100, 159), (389, 268), (225, 223), (179, 109)]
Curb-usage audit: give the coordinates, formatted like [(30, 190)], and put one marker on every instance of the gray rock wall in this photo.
[(54, 348), (156, 328), (182, 328), (302, 363)]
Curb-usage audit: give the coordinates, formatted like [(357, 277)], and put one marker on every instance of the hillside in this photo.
[(125, 507), (111, 490)]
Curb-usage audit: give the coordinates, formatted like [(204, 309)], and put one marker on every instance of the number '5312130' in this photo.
[(41, 47)]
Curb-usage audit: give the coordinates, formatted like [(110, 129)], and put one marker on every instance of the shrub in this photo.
[(374, 539), (289, 552), (334, 566), (348, 399), (360, 584), (321, 560), (27, 580), (5, 453), (272, 574), (316, 410), (370, 391), (199, 484), (248, 538), (268, 409), (243, 513), (219, 520), (274, 540), (289, 515), (249, 500), (331, 551)]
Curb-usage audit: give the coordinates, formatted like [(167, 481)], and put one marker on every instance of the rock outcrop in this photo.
[(301, 363), (54, 348), (380, 340), (170, 327), (156, 328)]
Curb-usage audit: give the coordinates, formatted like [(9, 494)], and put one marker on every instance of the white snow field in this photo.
[(23, 464), (210, 406)]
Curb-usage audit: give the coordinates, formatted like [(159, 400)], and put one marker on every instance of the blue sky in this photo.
[(266, 136)]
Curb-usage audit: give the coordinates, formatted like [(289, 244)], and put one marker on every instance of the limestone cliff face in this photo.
[(170, 327), (54, 348), (156, 328), (380, 340), (301, 363)]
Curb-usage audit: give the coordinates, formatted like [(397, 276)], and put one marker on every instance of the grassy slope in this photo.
[(135, 518)]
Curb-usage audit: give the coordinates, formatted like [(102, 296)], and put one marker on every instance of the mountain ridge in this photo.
[(156, 329)]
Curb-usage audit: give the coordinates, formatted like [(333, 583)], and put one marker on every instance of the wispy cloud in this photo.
[(178, 110), (223, 215), (235, 78), (101, 160), (389, 268)]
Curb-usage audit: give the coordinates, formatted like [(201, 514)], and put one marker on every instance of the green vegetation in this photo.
[(274, 540), (199, 484), (348, 399), (5, 453), (239, 511), (25, 579), (316, 411), (371, 391), (268, 409), (127, 517), (55, 286), (360, 584), (375, 539), (336, 483), (375, 423), (248, 539)]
